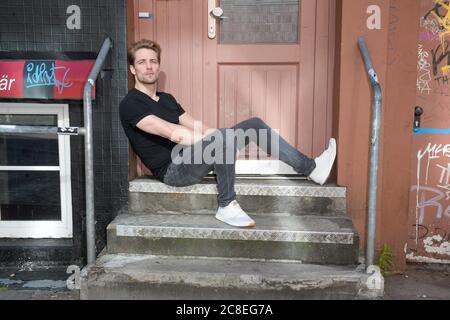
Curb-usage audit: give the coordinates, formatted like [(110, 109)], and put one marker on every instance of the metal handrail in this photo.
[(88, 144), (9, 129), (89, 152), (374, 152)]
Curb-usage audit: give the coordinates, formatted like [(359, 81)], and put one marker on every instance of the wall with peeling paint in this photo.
[(429, 214)]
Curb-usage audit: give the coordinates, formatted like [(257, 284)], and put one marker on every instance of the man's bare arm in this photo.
[(188, 121), (174, 132)]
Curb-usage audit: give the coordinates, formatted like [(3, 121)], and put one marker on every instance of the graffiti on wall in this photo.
[(441, 63), (424, 78), (443, 19), (435, 27), (432, 202), (430, 191)]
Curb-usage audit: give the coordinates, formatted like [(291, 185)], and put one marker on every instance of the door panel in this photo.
[(249, 50), (178, 31), (265, 91)]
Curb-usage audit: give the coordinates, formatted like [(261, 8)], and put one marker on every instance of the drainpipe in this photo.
[(88, 147), (374, 153)]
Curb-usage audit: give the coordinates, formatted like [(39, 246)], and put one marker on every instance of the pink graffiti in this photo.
[(428, 36)]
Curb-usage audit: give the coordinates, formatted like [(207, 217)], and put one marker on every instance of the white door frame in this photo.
[(44, 229), (263, 167)]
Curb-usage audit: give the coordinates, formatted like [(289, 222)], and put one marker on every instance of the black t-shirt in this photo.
[(154, 151)]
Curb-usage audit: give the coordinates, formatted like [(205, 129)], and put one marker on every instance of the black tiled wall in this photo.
[(40, 26)]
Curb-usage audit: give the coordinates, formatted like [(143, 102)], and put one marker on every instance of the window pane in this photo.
[(259, 21), (29, 196), (28, 149)]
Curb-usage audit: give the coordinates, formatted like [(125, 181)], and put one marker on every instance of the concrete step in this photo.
[(256, 196), (311, 239), (134, 277)]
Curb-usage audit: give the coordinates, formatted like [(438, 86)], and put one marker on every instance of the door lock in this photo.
[(418, 112)]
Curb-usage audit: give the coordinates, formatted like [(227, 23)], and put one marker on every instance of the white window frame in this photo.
[(44, 229)]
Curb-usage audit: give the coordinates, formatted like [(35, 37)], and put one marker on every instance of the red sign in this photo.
[(44, 79), (11, 78)]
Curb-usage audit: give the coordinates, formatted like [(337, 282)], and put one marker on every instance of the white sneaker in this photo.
[(324, 163), (234, 216)]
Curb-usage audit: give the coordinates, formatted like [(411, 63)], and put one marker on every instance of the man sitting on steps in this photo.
[(181, 151)]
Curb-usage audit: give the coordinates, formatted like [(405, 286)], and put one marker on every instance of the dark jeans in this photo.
[(181, 173)]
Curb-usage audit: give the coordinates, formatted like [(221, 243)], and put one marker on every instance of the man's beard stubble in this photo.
[(144, 81)]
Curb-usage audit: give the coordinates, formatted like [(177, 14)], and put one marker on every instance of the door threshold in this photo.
[(263, 177)]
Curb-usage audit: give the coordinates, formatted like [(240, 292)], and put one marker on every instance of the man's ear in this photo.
[(133, 70)]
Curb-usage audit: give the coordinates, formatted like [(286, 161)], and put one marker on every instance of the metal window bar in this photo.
[(374, 153), (88, 144)]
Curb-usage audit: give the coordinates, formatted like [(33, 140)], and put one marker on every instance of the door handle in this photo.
[(214, 13)]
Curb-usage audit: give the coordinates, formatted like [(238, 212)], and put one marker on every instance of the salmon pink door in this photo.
[(229, 60)]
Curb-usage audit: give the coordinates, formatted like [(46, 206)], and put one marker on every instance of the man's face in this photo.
[(146, 66)]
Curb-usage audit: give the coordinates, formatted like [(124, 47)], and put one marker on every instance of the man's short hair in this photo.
[(143, 44)]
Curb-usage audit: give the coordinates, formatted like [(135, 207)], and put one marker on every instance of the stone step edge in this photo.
[(212, 212), (138, 257), (180, 232), (153, 186)]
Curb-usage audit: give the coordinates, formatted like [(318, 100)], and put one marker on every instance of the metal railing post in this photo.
[(89, 152), (374, 153)]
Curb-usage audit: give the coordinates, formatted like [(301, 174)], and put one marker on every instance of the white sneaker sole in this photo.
[(331, 163), (239, 225), (323, 178)]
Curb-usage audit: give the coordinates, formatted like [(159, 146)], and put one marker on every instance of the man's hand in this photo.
[(187, 121), (208, 131)]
